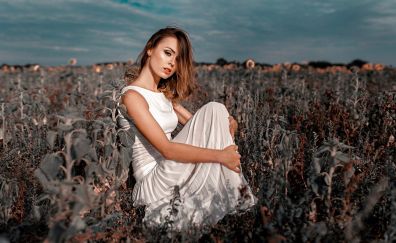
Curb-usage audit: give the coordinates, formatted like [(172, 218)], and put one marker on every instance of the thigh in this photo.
[(202, 120)]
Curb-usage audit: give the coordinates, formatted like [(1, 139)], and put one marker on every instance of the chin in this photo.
[(166, 76)]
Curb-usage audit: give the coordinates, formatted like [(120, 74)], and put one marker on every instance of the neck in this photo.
[(148, 78)]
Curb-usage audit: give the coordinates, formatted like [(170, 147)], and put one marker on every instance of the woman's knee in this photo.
[(217, 106)]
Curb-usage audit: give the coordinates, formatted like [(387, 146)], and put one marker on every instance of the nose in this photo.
[(172, 62)]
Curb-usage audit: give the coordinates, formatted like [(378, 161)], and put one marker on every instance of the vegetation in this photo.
[(318, 150)]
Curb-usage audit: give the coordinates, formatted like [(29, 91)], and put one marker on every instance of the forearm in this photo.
[(183, 120), (182, 113), (191, 154)]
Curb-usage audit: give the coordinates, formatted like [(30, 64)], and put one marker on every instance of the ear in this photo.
[(149, 51)]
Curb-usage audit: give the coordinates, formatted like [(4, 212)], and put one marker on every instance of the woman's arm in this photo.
[(138, 110), (183, 115)]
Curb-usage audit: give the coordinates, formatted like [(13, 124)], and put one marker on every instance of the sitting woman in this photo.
[(202, 162)]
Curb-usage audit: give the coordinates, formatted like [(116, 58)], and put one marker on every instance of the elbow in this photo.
[(166, 155), (167, 152)]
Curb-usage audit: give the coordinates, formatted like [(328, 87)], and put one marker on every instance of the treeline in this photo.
[(315, 64)]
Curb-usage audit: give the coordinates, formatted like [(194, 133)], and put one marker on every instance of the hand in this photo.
[(233, 126), (231, 158)]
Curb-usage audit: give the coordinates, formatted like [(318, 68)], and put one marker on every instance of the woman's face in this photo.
[(162, 59)]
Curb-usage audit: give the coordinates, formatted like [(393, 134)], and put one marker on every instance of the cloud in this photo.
[(267, 30), (384, 19)]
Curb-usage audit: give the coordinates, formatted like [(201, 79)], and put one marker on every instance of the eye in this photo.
[(168, 53)]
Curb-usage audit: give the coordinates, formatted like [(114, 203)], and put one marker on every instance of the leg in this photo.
[(209, 128), (208, 190)]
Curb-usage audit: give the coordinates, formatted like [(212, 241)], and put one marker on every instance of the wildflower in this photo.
[(277, 68), (110, 66), (367, 67), (250, 63), (97, 69), (378, 67), (72, 61), (130, 62), (36, 67), (296, 67)]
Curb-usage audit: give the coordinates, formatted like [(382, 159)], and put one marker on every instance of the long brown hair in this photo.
[(182, 83)]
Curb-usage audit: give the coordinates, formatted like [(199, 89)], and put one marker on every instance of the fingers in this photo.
[(232, 120), (232, 147), (234, 162), (235, 147), (237, 168), (232, 124)]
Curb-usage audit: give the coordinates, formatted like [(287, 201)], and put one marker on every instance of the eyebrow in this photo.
[(171, 49)]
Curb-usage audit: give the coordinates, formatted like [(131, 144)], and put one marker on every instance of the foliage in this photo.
[(318, 150)]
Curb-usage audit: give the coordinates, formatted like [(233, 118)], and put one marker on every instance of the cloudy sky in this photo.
[(50, 32)]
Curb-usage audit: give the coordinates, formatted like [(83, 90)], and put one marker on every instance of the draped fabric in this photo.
[(204, 192)]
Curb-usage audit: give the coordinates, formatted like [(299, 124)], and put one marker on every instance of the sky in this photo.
[(50, 32)]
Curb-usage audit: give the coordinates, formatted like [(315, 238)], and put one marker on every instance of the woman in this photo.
[(201, 162)]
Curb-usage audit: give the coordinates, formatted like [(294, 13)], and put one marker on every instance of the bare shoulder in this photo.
[(138, 109), (132, 97)]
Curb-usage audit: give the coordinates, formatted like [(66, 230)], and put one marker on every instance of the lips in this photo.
[(167, 70)]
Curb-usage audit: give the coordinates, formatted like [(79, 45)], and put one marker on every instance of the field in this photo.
[(318, 149)]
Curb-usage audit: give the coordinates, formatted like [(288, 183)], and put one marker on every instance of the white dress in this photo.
[(205, 192)]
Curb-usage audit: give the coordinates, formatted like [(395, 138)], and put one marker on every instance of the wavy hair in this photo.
[(182, 83)]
